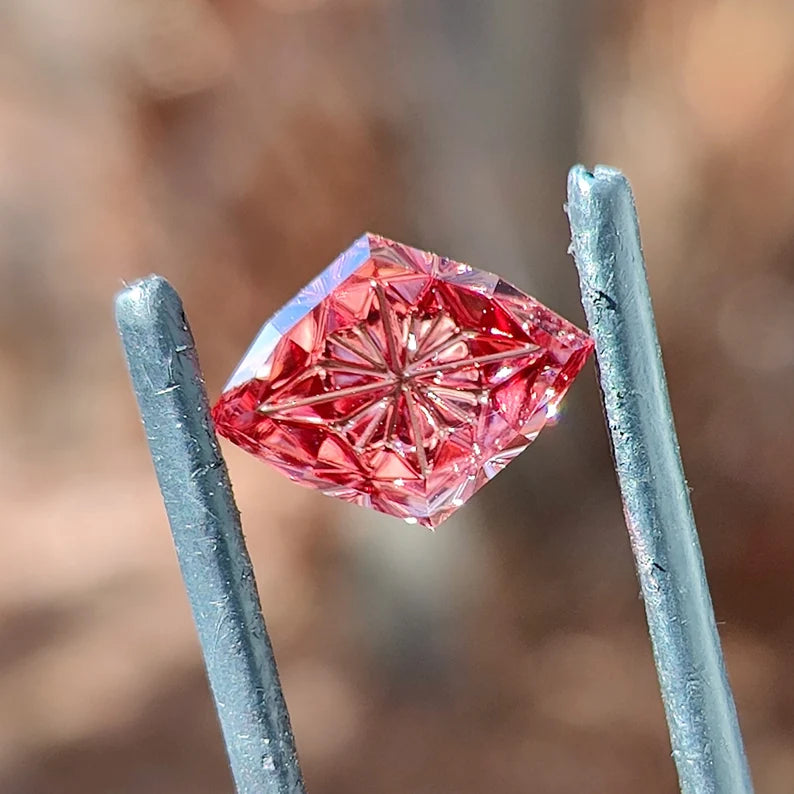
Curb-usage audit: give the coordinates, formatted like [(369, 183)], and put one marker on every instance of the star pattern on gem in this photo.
[(405, 382)]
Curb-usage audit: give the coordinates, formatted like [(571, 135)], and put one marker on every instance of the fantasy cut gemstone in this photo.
[(400, 380)]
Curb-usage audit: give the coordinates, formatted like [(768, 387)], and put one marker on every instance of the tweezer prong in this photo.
[(208, 537), (701, 715)]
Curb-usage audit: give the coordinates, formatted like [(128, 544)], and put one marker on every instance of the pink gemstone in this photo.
[(400, 380)]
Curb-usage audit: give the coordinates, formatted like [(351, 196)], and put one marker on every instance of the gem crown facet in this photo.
[(400, 380)]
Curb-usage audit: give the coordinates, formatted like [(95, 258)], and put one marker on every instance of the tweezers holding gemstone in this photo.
[(400, 380)]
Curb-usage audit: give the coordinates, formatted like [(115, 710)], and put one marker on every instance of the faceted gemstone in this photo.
[(400, 380)]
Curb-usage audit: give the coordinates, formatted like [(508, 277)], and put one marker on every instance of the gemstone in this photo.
[(400, 380)]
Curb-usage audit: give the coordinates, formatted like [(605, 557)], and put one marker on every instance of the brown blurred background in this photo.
[(235, 147)]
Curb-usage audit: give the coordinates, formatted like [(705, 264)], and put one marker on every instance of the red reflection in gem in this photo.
[(401, 380)]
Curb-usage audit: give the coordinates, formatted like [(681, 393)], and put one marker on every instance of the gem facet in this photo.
[(400, 380)]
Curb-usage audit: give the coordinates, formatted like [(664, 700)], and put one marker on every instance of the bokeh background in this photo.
[(236, 147)]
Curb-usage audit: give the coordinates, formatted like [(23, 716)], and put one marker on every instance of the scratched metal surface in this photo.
[(208, 538), (704, 729)]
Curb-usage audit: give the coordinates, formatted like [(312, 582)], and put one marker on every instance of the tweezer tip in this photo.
[(587, 188), (594, 193), (140, 296)]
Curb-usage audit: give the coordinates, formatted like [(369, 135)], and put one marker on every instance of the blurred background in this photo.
[(236, 147)]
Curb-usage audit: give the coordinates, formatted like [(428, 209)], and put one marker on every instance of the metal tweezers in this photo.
[(163, 363)]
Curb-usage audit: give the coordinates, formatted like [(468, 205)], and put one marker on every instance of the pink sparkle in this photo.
[(400, 380)]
